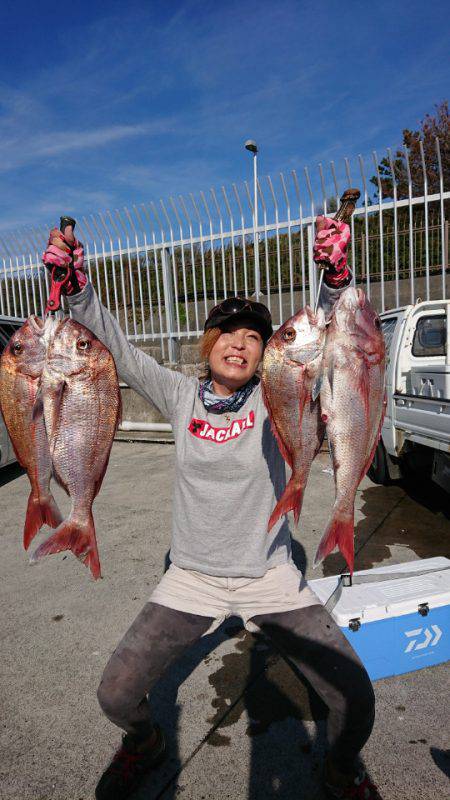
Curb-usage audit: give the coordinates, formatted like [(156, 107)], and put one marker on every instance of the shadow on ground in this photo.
[(10, 473), (425, 537), (442, 759), (255, 685), (429, 495)]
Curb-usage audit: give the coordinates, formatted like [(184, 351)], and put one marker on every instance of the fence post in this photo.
[(445, 253), (255, 224), (363, 257), (172, 341), (311, 266)]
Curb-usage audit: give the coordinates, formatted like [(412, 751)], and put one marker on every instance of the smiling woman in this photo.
[(229, 475), (234, 357), (233, 343)]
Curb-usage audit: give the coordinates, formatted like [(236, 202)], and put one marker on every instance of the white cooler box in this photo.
[(396, 620)]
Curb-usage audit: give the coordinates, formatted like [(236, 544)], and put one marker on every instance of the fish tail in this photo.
[(40, 511), (339, 533), (74, 536), (290, 500)]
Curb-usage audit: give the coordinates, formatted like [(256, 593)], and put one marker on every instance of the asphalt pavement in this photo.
[(239, 723)]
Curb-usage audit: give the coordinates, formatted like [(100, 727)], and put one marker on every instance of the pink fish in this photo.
[(290, 383), (352, 402), (21, 367), (81, 408)]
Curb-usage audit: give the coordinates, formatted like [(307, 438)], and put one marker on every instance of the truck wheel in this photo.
[(378, 471)]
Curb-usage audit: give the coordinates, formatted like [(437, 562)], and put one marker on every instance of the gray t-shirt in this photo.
[(229, 472)]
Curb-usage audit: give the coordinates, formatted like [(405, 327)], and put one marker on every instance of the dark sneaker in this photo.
[(132, 761), (361, 788)]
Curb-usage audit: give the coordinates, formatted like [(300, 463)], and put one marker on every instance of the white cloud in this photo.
[(15, 152)]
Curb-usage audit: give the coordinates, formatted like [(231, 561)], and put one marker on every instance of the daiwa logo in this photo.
[(431, 638)]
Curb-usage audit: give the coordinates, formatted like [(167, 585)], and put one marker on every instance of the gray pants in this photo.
[(308, 638)]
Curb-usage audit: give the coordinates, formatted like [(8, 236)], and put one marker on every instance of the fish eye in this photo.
[(17, 348), (289, 334), (83, 344)]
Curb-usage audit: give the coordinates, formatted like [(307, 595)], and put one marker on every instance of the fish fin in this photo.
[(119, 412), (339, 533), (304, 397), (38, 406), (287, 455), (317, 385), (320, 318), (320, 434), (99, 481), (363, 387), (333, 459), (57, 398), (40, 512), (290, 500), (57, 477), (80, 539), (60, 481), (282, 447), (375, 442), (330, 375)]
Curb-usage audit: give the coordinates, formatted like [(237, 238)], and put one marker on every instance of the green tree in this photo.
[(432, 126), (331, 206)]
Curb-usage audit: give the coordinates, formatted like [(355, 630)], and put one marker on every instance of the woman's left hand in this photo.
[(330, 247)]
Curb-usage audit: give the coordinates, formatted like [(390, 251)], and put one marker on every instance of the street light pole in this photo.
[(252, 147)]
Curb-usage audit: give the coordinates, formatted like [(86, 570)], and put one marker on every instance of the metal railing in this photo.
[(159, 268)]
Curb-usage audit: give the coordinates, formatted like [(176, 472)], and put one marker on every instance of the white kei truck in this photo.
[(415, 438)]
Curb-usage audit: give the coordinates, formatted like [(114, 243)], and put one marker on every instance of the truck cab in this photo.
[(8, 326), (416, 428)]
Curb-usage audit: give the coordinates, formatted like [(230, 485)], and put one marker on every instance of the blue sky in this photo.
[(115, 103)]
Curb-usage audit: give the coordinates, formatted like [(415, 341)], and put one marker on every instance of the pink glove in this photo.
[(60, 253), (330, 246)]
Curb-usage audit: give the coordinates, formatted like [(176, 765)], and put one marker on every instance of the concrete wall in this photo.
[(134, 407)]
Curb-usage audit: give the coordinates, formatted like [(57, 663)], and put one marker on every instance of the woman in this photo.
[(229, 475)]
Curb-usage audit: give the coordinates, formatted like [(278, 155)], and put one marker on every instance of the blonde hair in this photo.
[(207, 342)]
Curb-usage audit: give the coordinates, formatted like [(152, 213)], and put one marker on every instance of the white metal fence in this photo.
[(159, 267)]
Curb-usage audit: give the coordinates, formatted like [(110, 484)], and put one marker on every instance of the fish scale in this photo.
[(352, 406), (291, 371), (20, 373), (81, 408), (61, 405)]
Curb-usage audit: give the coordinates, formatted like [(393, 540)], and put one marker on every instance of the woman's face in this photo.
[(235, 356)]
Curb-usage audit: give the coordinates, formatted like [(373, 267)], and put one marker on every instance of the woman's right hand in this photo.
[(63, 250)]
